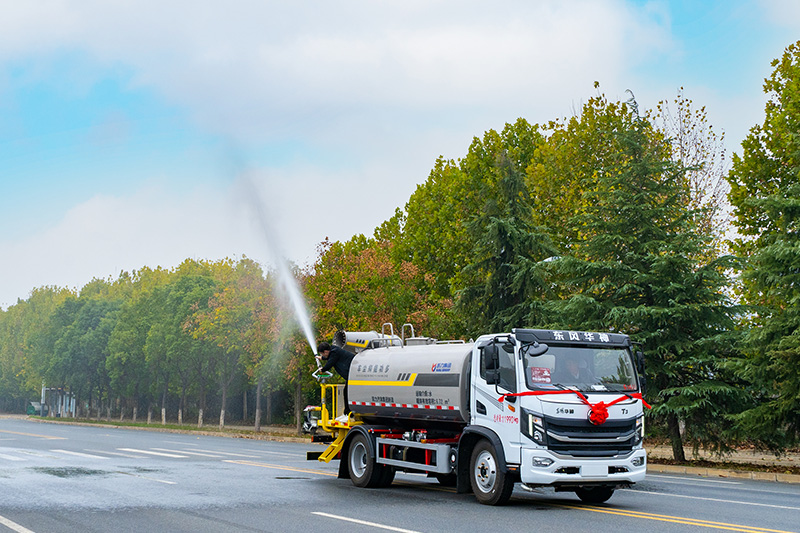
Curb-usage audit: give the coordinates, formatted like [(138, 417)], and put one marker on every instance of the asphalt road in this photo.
[(71, 478)]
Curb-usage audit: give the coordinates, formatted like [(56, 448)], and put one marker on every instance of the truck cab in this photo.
[(566, 407)]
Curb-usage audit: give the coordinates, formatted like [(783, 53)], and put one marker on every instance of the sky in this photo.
[(144, 133)]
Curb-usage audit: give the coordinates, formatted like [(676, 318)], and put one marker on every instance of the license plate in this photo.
[(594, 470)]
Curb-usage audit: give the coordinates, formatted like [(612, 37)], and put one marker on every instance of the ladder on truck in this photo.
[(333, 420)]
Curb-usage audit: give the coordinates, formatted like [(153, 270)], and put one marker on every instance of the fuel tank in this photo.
[(417, 386)]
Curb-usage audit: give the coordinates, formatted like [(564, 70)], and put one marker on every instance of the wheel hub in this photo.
[(485, 472)]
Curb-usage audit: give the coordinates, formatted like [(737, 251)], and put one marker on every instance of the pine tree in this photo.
[(505, 286), (765, 191), (637, 267)]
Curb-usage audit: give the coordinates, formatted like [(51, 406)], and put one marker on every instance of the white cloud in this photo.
[(159, 226), (785, 13), (251, 68)]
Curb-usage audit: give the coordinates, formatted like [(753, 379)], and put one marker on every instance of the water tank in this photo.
[(412, 385)]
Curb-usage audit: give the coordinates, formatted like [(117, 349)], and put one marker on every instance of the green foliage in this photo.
[(765, 191), (358, 286), (436, 234), (504, 285), (636, 266)]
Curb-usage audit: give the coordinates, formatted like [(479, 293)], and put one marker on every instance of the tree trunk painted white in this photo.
[(258, 403)]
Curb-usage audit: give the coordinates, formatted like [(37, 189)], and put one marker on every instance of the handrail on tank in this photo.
[(387, 340), (403, 332)]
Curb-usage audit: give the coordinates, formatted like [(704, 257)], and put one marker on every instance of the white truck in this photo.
[(545, 408)]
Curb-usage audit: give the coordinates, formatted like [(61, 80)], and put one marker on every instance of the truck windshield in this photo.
[(581, 368)]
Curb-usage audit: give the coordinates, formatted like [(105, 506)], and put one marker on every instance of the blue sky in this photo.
[(127, 129)]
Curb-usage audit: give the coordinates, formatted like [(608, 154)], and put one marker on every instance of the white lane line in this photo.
[(188, 453), (117, 454), (161, 454), (364, 523), (713, 499), (38, 454), (79, 454), (684, 483), (148, 478), (284, 453), (696, 479), (275, 453), (11, 457), (13, 525), (231, 454)]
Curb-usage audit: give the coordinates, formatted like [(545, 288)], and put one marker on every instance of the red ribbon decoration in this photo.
[(598, 412)]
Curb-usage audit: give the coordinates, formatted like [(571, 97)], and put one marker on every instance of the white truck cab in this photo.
[(566, 406)]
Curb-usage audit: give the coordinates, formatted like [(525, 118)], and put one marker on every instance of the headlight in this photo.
[(541, 462), (639, 435), (532, 427)]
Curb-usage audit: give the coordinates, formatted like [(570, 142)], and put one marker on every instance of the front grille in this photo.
[(581, 438)]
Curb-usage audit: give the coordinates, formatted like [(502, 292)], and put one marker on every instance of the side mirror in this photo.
[(538, 348), (640, 367), (492, 377), (490, 364)]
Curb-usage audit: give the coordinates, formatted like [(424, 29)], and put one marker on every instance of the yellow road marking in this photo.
[(673, 519), (280, 467), (33, 435)]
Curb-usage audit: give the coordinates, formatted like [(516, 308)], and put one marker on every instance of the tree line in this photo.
[(614, 219)]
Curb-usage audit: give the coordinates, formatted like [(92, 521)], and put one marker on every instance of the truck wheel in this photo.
[(594, 495), (387, 475), (364, 471), (490, 485)]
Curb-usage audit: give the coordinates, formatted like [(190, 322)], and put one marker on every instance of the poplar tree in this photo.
[(765, 192)]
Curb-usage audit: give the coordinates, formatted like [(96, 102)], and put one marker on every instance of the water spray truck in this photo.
[(544, 408)]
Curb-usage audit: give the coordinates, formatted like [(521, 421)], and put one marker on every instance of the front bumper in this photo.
[(566, 470)]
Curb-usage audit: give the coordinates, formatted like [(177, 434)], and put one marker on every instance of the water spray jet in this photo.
[(287, 280)]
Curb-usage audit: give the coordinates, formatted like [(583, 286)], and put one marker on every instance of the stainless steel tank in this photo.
[(414, 385)]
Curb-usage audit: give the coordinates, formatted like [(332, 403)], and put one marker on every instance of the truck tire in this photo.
[(594, 495), (490, 484), (386, 476), (364, 471)]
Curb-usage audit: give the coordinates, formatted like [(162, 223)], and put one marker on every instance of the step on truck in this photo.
[(544, 408)]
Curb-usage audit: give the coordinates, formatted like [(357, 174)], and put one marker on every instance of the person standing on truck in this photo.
[(339, 359)]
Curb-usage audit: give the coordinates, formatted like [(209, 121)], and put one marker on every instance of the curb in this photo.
[(723, 473)]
